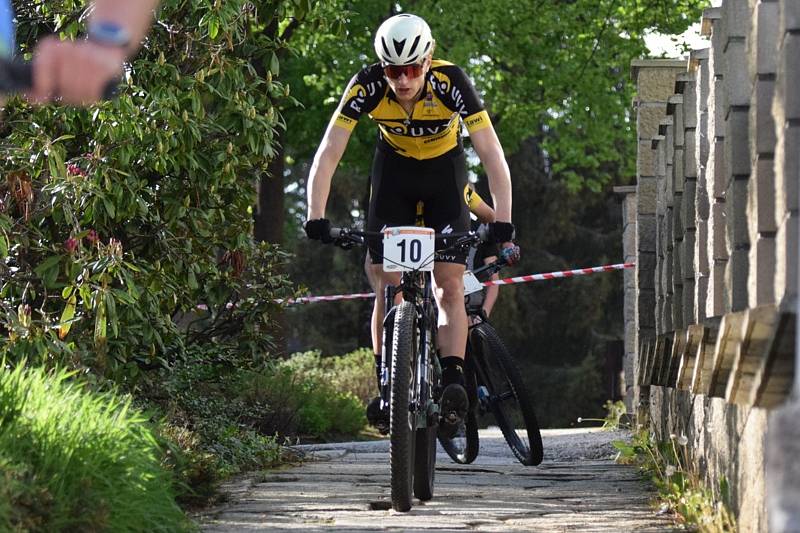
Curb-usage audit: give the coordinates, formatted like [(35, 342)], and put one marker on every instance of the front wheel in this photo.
[(505, 394), (401, 421)]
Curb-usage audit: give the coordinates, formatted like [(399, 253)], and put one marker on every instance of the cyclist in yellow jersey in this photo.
[(419, 104)]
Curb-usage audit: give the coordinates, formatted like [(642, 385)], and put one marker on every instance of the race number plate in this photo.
[(408, 248), (471, 283)]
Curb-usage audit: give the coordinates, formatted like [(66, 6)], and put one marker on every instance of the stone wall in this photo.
[(710, 325)]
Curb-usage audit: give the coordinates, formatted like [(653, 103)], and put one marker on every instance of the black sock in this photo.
[(452, 370)]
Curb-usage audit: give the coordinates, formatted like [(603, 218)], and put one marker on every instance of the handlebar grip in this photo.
[(17, 76)]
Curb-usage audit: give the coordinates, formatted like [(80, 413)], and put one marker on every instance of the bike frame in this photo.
[(416, 288)]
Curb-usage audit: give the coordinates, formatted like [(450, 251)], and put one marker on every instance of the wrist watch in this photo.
[(108, 33)]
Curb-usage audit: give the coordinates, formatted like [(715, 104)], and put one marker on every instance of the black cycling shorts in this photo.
[(398, 183)]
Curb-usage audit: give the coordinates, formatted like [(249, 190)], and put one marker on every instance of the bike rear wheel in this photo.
[(402, 420), (507, 396)]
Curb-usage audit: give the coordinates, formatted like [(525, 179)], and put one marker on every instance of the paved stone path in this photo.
[(345, 487)]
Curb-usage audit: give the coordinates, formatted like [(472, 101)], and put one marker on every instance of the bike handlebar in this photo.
[(17, 76)]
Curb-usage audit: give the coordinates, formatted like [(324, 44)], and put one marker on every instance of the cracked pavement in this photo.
[(345, 487)]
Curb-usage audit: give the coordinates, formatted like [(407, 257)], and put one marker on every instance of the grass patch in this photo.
[(76, 460), (681, 489)]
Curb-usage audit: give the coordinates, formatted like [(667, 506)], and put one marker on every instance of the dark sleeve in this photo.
[(462, 97), (362, 95)]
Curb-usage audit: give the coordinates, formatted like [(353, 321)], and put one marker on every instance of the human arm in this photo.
[(488, 147), (79, 71), (327, 158)]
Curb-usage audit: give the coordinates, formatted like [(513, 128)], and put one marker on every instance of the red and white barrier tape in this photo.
[(506, 281), (561, 274)]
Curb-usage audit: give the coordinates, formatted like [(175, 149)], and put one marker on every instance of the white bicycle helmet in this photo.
[(402, 40)]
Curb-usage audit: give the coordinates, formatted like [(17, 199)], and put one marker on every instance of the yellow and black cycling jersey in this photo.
[(433, 127)]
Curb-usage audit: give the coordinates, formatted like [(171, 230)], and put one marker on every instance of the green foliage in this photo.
[(680, 485), (119, 220), (353, 372), (72, 460)]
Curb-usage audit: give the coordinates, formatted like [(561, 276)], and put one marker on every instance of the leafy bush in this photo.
[(118, 221), (72, 460), (353, 372)]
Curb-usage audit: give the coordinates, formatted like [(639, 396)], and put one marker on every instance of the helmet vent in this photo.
[(414, 45), (398, 46)]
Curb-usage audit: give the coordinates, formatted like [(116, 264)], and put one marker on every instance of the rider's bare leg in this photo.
[(452, 314)]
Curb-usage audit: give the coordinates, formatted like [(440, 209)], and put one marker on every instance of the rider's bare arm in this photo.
[(77, 72), (135, 17), (324, 165), (488, 147)]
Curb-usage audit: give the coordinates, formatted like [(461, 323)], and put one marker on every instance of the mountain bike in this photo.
[(410, 373), (494, 385)]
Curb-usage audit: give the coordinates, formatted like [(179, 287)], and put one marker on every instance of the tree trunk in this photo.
[(269, 215)]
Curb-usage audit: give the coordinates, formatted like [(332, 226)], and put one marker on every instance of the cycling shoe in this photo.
[(377, 417), (453, 409)]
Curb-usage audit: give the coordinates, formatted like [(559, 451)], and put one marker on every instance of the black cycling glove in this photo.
[(501, 232), (319, 229)]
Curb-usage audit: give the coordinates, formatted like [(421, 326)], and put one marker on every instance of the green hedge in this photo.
[(72, 460)]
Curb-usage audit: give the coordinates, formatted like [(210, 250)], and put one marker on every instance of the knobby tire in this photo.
[(507, 392), (402, 438)]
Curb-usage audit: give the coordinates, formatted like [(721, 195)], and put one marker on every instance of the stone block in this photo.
[(645, 160), (703, 142), (737, 79), (729, 340), (678, 126), (645, 306), (629, 208), (783, 449), (688, 204), (717, 181), (736, 213), (786, 252), (717, 224), (689, 151), (700, 297), (688, 302), (719, 107), (789, 15), (737, 143), (688, 251), (629, 241), (787, 170), (646, 234), (648, 117), (762, 43), (646, 271), (715, 302), (646, 194), (736, 20), (761, 194), (701, 248), (702, 202), (790, 75), (677, 170), (656, 84), (690, 105), (762, 124), (678, 226), (737, 272), (761, 277)]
